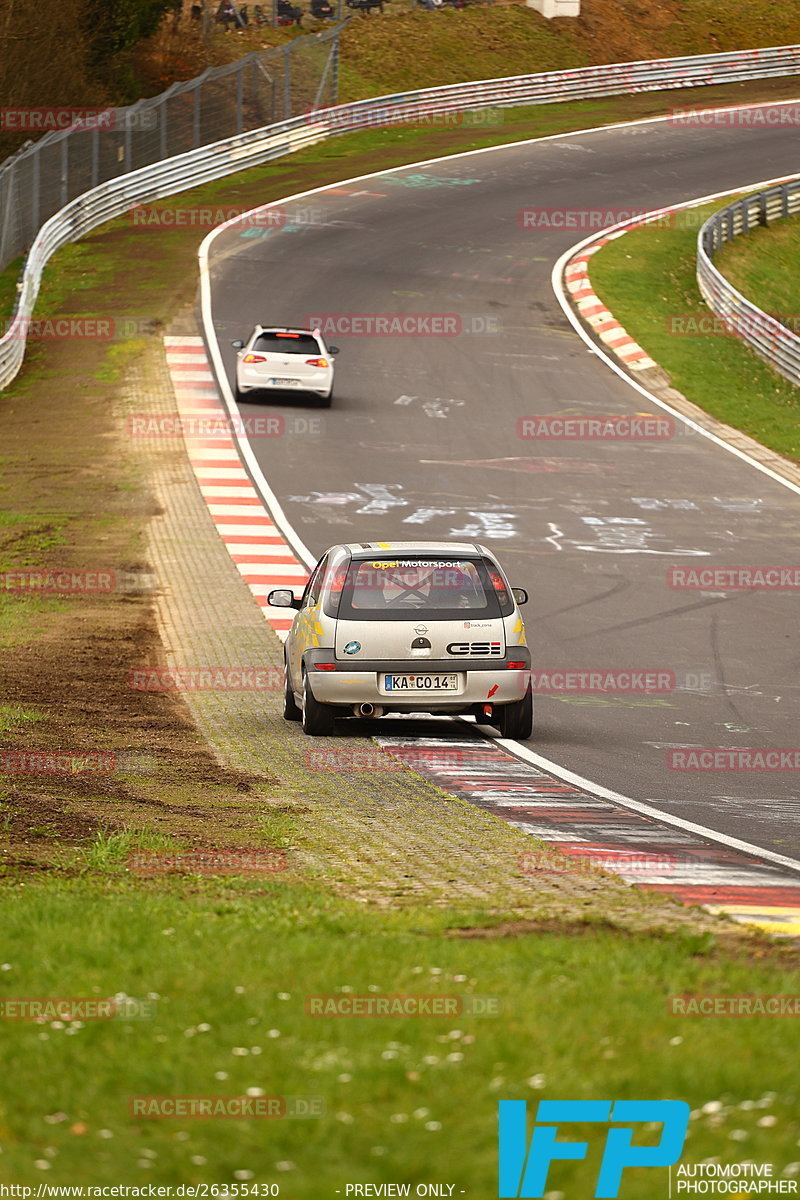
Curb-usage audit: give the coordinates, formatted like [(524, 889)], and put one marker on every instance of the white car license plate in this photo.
[(285, 382), (420, 683)]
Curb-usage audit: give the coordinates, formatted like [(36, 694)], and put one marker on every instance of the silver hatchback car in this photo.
[(402, 627)]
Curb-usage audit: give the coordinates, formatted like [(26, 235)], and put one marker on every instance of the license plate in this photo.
[(285, 382), (420, 683)]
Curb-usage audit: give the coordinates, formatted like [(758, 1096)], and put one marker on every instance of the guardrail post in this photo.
[(762, 209), (287, 81), (37, 175), (95, 156), (128, 142), (334, 64), (64, 170), (239, 97), (784, 199), (162, 130), (196, 118)]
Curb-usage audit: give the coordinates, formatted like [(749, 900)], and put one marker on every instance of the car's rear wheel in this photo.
[(290, 710), (325, 401), (317, 718), (516, 720)]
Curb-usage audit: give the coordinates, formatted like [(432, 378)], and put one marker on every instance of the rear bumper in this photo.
[(482, 681), (319, 383)]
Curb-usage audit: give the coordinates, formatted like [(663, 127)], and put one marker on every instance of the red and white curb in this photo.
[(594, 312), (254, 542), (596, 834)]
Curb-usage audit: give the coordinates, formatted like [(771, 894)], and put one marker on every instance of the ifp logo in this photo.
[(524, 1168)]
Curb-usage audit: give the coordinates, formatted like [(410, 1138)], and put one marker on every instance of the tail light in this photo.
[(322, 666), (516, 666), (251, 358), (316, 362)]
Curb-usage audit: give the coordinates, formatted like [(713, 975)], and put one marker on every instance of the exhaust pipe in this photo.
[(368, 710)]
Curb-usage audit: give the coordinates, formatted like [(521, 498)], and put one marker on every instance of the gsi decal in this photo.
[(524, 1169), (483, 648)]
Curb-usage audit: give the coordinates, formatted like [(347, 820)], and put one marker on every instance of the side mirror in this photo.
[(238, 345), (520, 595), (282, 598), (333, 349)]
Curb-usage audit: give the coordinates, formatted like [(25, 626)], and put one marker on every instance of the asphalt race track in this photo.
[(422, 443)]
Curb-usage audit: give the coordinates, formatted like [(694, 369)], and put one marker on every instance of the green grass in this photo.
[(763, 266), (647, 279), (24, 537), (405, 1099), (23, 619), (405, 48), (13, 715)]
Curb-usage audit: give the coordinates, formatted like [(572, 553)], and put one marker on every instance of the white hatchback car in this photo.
[(402, 627), (279, 359)]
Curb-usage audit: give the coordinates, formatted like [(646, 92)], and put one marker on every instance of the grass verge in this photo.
[(225, 982), (762, 266)]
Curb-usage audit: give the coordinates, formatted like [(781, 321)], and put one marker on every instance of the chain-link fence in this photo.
[(261, 89)]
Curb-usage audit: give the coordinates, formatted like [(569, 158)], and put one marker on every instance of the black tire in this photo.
[(317, 718), (291, 712), (516, 720), (325, 401)]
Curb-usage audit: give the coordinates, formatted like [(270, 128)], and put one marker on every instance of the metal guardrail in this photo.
[(767, 335), (438, 105)]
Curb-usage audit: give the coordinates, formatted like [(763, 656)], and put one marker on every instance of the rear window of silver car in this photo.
[(286, 343), (394, 589)]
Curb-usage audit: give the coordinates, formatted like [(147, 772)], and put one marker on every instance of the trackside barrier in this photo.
[(232, 154), (765, 334)]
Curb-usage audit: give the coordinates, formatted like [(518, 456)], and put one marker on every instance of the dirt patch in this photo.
[(83, 751)]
